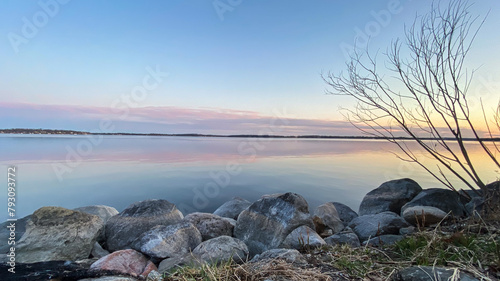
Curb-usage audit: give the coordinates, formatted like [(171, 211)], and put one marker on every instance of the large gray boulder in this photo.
[(303, 236), (221, 249), (423, 215), (102, 211), (389, 196), (162, 242), (232, 208), (346, 214), (426, 273), (55, 233), (268, 221), (368, 226), (125, 228), (444, 199), (210, 225)]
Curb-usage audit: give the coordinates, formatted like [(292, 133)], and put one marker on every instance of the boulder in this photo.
[(383, 240), (326, 215), (425, 273), (268, 221), (162, 242), (55, 233), (188, 259), (423, 215), (98, 251), (289, 255), (389, 196), (444, 199), (346, 214), (231, 221), (125, 228), (210, 225), (233, 208), (221, 249), (20, 228), (368, 226), (102, 211), (303, 236), (125, 262), (349, 238)]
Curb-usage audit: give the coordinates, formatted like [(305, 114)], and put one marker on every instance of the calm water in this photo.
[(197, 174)]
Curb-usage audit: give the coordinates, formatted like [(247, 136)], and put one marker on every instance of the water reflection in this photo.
[(121, 170)]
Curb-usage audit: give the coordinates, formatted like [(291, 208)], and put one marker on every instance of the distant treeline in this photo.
[(71, 132)]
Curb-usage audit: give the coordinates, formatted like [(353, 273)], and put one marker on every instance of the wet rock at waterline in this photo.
[(389, 196), (55, 233), (346, 214), (125, 228), (233, 208)]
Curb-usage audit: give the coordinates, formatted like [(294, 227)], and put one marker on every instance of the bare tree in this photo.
[(426, 100)]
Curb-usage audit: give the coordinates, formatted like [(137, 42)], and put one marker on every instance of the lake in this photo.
[(197, 173)]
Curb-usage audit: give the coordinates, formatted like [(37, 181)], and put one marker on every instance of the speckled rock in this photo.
[(210, 225), (126, 262), (125, 228), (268, 221), (303, 236), (162, 242)]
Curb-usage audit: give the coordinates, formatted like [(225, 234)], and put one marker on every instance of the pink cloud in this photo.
[(167, 119)]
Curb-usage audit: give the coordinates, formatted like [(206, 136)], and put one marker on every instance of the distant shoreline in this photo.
[(71, 132)]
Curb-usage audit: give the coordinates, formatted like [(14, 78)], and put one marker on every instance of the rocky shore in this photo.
[(151, 238)]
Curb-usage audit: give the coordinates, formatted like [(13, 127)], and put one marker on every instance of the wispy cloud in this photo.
[(163, 119)]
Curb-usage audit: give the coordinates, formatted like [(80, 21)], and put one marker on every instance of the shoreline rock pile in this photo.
[(153, 236)]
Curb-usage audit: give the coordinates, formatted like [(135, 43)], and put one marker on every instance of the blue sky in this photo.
[(229, 71)]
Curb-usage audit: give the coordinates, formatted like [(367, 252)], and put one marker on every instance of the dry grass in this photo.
[(471, 246)]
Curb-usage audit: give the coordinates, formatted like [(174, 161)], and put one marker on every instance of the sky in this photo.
[(201, 66)]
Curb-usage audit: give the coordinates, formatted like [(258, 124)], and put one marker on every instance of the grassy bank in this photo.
[(471, 246)]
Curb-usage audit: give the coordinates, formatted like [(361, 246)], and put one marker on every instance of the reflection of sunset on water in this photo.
[(122, 170)]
